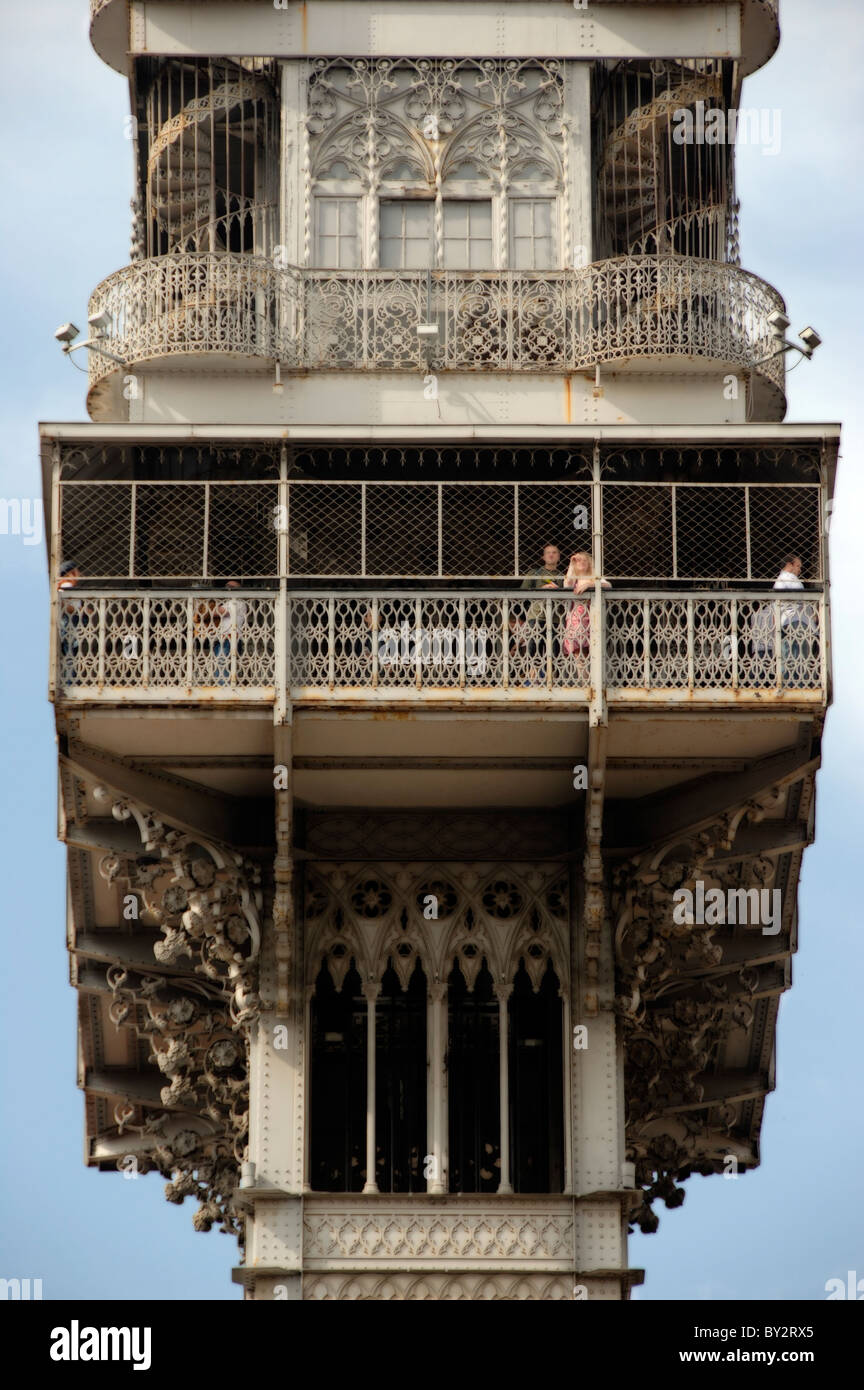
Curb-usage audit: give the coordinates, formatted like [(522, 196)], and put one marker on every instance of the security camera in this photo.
[(811, 340), (779, 322), (67, 333), (100, 322)]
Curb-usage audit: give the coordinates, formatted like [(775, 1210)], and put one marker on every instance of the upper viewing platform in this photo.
[(533, 217), (745, 29)]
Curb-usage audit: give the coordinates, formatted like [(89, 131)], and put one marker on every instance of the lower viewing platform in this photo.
[(440, 647)]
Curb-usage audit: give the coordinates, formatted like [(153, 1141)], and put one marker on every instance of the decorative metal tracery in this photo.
[(422, 125), (439, 916)]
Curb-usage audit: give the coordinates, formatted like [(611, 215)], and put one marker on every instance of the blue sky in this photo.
[(778, 1233)]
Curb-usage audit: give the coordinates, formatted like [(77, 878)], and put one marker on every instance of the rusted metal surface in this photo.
[(395, 648)]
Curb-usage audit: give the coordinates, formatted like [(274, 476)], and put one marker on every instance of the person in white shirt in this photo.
[(232, 618), (790, 575), (797, 620)]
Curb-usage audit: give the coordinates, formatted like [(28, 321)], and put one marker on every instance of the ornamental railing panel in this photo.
[(194, 303), (165, 642), (384, 646), (568, 320), (715, 642)]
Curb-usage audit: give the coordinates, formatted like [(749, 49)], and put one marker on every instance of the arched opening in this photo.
[(337, 1090), (473, 1090), (536, 1085), (400, 1087)]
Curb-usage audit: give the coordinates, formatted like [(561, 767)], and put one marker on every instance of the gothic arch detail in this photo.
[(439, 915)]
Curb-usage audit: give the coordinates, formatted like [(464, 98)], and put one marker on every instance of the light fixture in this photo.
[(811, 340), (779, 324), (66, 334), (100, 322)]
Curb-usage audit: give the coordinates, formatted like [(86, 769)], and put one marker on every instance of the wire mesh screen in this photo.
[(439, 524), (477, 524), (552, 515), (242, 534), (710, 532), (637, 531), (401, 530), (325, 528), (705, 532), (784, 521), (169, 529), (96, 527)]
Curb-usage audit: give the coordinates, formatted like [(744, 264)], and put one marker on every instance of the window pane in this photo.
[(405, 234), (467, 235), (328, 216), (520, 217), (391, 220), (532, 243), (337, 242)]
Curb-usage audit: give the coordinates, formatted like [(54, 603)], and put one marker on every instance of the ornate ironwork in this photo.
[(207, 901), (418, 645), (503, 321)]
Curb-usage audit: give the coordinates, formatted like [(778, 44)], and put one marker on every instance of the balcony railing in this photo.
[(434, 647), (239, 305), (502, 321)]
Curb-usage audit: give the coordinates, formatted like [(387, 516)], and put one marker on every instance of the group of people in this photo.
[(217, 625), (574, 633), (798, 624)]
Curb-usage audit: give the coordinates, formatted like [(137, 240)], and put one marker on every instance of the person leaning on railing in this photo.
[(798, 622), (74, 619), (215, 626), (577, 624)]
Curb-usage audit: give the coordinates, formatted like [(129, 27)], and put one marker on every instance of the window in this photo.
[(405, 235), (467, 235), (337, 233), (531, 239), (338, 1085)]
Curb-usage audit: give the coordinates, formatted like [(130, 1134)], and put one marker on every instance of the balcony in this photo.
[(446, 648), (675, 311)]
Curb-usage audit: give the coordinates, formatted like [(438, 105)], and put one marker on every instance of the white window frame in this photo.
[(342, 195), (527, 194)]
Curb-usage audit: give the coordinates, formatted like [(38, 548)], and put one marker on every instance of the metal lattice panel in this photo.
[(713, 643), (427, 514), (441, 642), (162, 642)]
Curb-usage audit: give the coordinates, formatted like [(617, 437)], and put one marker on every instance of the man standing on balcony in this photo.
[(232, 617), (549, 575), (532, 631), (797, 626)]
